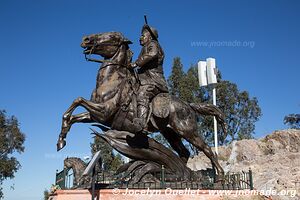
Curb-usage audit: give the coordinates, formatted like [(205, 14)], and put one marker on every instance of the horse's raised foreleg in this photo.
[(95, 108), (66, 125), (67, 115), (79, 118), (68, 119)]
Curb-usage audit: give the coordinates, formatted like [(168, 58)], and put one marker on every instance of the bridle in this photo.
[(88, 57)]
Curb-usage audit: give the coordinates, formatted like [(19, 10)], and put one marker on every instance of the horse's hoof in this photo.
[(60, 144)]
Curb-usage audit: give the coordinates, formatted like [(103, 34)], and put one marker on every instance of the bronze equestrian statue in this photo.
[(115, 101)]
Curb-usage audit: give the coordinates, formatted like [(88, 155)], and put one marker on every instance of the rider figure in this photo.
[(150, 73)]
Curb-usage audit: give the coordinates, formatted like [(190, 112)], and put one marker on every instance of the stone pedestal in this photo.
[(147, 194)]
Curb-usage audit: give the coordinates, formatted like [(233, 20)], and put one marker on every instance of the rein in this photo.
[(89, 58)]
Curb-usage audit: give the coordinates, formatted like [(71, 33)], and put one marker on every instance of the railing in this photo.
[(64, 180), (107, 179), (60, 179), (238, 181), (231, 181)]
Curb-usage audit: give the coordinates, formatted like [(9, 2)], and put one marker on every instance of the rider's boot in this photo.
[(141, 120)]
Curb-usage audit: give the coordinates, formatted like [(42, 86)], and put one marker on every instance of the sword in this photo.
[(145, 18), (148, 28)]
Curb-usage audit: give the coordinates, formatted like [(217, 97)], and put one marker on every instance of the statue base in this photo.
[(162, 194)]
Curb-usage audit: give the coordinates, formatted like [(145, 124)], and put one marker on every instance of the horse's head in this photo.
[(104, 44), (69, 162)]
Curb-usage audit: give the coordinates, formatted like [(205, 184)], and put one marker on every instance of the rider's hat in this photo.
[(151, 30)]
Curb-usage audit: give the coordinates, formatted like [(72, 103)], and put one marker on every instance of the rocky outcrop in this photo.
[(274, 160)]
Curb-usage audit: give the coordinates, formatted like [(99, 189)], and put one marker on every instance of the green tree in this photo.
[(190, 91), (185, 85), (292, 120), (110, 160), (175, 80), (46, 194), (116, 162), (11, 141), (240, 109)]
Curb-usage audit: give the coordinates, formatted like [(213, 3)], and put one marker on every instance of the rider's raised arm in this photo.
[(151, 52)]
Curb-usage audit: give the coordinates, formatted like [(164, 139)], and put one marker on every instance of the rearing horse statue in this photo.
[(78, 167), (113, 102)]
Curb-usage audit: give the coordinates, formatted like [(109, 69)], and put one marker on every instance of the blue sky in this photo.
[(42, 67)]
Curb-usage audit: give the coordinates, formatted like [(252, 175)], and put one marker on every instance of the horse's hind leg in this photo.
[(212, 110), (175, 141), (198, 142)]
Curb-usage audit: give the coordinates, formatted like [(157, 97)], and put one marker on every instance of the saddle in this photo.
[(161, 105), (158, 107)]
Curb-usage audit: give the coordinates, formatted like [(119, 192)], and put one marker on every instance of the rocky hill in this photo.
[(274, 160)]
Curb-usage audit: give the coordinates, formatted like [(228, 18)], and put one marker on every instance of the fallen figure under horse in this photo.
[(113, 102)]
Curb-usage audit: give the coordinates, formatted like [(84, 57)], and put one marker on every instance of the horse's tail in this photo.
[(209, 109)]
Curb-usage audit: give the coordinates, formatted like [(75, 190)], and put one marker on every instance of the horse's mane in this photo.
[(75, 159), (129, 55)]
